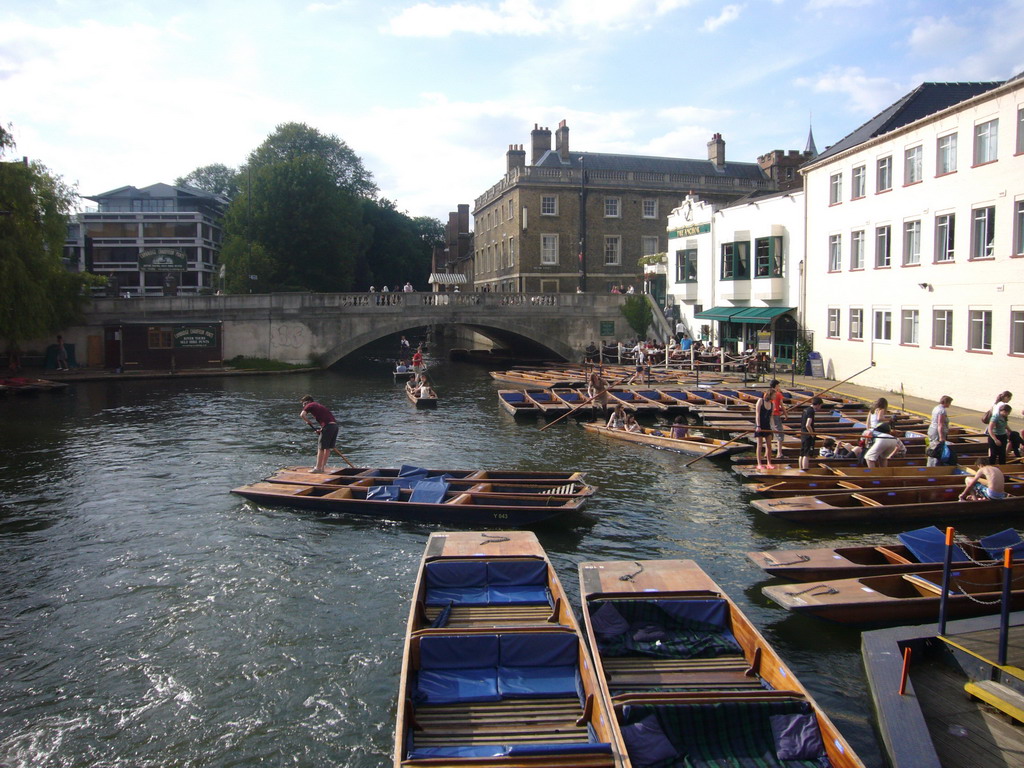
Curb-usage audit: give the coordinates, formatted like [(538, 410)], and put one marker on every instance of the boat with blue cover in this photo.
[(494, 670), (690, 679)]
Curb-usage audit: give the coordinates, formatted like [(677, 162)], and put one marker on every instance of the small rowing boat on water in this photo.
[(904, 598), (515, 402), (480, 475), (923, 549), (419, 397), (494, 670), (656, 438), (939, 505), (691, 680)]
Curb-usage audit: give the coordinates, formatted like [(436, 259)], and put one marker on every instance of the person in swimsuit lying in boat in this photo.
[(987, 482)]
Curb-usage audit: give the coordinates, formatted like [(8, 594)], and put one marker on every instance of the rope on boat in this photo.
[(631, 576), (493, 538), (828, 591)]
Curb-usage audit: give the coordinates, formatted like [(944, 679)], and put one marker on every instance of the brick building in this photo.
[(452, 261)]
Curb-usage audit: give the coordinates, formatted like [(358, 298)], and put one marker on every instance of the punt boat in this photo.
[(690, 679), (657, 438), (634, 401), (494, 669), (480, 475), (515, 402), (812, 486), (920, 550), (902, 598), (938, 505), (545, 401), (417, 399)]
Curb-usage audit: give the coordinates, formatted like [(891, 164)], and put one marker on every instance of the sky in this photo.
[(110, 93)]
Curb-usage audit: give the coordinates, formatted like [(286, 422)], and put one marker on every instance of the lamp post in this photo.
[(583, 227)]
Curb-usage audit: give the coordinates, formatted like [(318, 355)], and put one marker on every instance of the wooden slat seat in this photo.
[(462, 617), (721, 673), (562, 490), (547, 721)]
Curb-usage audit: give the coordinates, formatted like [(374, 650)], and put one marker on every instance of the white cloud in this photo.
[(729, 14), (936, 37), (821, 5), (867, 95)]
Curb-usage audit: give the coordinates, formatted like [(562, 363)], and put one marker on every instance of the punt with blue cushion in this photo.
[(676, 629), (487, 582), (928, 545), (997, 543), (513, 397)]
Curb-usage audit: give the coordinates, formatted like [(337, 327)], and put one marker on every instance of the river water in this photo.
[(151, 618)]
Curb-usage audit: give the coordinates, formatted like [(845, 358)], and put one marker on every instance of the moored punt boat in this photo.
[(938, 505), (419, 400), (847, 469), (672, 405), (545, 401), (480, 475), (633, 401), (691, 680), (902, 598), (656, 438), (578, 400), (21, 385), (494, 670), (515, 402), (919, 550)]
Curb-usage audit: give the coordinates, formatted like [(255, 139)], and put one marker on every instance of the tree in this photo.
[(290, 141), (637, 311), (217, 179), (39, 295), (397, 250), (431, 231)]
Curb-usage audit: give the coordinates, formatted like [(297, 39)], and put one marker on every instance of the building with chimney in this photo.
[(452, 261), (570, 220)]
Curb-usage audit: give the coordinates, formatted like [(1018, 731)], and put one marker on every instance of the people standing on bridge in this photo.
[(315, 414), (407, 288)]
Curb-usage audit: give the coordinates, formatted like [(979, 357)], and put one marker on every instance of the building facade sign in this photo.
[(195, 336), (162, 260), (690, 231)]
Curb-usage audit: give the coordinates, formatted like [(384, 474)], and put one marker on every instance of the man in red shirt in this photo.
[(312, 412)]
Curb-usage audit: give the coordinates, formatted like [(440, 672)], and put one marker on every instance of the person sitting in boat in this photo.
[(425, 390), (679, 428), (618, 418), (631, 424), (833, 449), (987, 482), (402, 367)]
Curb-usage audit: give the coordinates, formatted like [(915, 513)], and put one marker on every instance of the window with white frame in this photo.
[(909, 321), (1018, 228), (945, 232), (856, 324), (686, 266), (883, 325), (1017, 332), (883, 174), (736, 260), (503, 255), (858, 182), (942, 328), (1020, 130), (911, 243), (549, 249), (549, 205), (913, 171), (835, 253), (833, 322), (612, 250), (980, 331), (650, 208), (648, 245), (511, 210), (768, 256), (511, 251), (857, 249), (883, 246), (835, 189), (611, 207), (983, 232), (945, 160), (986, 140)]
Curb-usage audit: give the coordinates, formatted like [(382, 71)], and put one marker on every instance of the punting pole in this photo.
[(905, 673), (1004, 618), (945, 580)]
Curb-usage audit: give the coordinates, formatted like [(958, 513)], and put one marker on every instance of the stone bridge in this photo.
[(300, 327)]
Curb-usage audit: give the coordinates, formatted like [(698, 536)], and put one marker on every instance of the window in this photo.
[(942, 328), (768, 257), (648, 245), (1018, 228), (833, 322), (909, 326), (511, 251), (911, 243), (883, 254), (883, 325), (835, 253), (1020, 130), (549, 205), (612, 250), (945, 162), (983, 233), (945, 226), (986, 137), (857, 249), (856, 324), (858, 182), (686, 266), (912, 171), (980, 336), (611, 207), (650, 208), (736, 261), (511, 208), (883, 174), (1017, 332), (549, 249), (160, 337), (835, 189)]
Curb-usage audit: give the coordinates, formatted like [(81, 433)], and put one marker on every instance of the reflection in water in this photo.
[(152, 618)]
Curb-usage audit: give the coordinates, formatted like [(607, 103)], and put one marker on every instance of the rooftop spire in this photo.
[(810, 149)]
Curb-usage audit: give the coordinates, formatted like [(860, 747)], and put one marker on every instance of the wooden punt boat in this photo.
[(903, 598), (671, 404), (515, 402), (656, 438), (939, 505), (494, 670), (844, 469), (418, 400), (430, 501), (480, 475), (690, 679), (919, 550), (575, 399), (633, 401), (408, 373), (21, 385), (545, 401), (812, 486)]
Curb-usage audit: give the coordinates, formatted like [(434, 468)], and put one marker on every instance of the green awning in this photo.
[(758, 314), (718, 313)]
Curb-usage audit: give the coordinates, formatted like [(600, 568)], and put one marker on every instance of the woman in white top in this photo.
[(618, 418), (879, 413)]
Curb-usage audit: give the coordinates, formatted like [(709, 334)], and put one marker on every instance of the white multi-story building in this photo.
[(915, 245)]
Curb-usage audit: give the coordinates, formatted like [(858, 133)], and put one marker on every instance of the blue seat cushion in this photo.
[(383, 493), (429, 491), (928, 545), (517, 572), (514, 397), (526, 595), (454, 750), (408, 470), (547, 649), (646, 743), (536, 682), (448, 686), (579, 748), (997, 542), (461, 573), (458, 596), (459, 651)]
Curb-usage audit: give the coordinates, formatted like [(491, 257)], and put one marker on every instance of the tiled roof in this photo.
[(600, 161)]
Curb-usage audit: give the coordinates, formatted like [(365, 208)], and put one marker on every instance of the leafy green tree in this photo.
[(397, 250), (39, 295), (637, 311), (431, 231), (217, 179)]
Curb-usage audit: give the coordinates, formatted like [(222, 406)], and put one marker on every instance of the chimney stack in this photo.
[(716, 151), (562, 141), (516, 157), (541, 142)]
